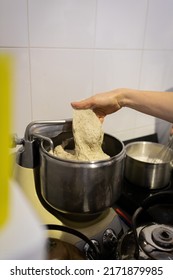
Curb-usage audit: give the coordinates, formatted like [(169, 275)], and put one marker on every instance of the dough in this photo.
[(88, 138)]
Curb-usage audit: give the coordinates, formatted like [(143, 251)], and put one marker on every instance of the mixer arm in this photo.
[(47, 128), (28, 155)]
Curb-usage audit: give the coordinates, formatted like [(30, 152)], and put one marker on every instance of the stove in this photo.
[(106, 235)]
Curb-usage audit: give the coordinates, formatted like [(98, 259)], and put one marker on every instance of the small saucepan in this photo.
[(141, 170)]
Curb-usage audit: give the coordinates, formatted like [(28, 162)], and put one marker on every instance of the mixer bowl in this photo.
[(81, 187)]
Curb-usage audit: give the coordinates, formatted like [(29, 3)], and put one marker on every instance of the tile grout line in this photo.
[(29, 55), (94, 43), (142, 51)]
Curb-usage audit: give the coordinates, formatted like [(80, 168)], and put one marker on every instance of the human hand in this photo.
[(102, 103)]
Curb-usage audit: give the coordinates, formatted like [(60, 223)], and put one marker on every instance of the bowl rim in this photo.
[(120, 155), (148, 143)]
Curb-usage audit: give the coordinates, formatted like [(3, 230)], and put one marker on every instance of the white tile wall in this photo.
[(13, 23), (116, 73), (157, 70), (62, 23), (58, 77), (69, 49), (113, 69), (120, 24), (159, 31)]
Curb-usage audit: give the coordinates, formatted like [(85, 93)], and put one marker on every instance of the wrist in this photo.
[(122, 97), (127, 97)]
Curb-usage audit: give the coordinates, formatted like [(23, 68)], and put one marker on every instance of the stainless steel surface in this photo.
[(81, 187), (47, 128), (143, 173), (28, 154)]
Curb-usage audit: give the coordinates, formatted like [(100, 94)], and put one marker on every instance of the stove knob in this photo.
[(89, 252), (110, 239)]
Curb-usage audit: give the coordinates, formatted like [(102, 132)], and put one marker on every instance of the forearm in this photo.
[(158, 104)]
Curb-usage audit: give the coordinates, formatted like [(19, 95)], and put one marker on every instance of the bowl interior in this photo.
[(149, 152), (111, 145)]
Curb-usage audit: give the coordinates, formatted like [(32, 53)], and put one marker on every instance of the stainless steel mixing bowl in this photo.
[(81, 187), (141, 168)]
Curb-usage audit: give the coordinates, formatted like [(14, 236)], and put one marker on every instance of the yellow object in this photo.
[(5, 126)]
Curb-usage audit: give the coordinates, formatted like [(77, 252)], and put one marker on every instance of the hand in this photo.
[(102, 103)]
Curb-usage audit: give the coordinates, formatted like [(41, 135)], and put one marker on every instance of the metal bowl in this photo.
[(82, 187), (141, 170)]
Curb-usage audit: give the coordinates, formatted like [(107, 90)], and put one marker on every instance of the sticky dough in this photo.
[(88, 138)]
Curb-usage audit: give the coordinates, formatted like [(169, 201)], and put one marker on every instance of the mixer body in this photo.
[(72, 187)]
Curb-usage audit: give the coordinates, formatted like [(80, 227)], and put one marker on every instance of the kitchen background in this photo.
[(66, 50)]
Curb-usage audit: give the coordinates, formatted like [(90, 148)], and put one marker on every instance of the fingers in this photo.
[(83, 104), (89, 104)]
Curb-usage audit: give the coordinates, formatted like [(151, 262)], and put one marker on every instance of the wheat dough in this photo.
[(88, 138)]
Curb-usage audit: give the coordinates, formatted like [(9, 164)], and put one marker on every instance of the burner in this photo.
[(163, 237), (132, 196), (151, 236), (154, 242)]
